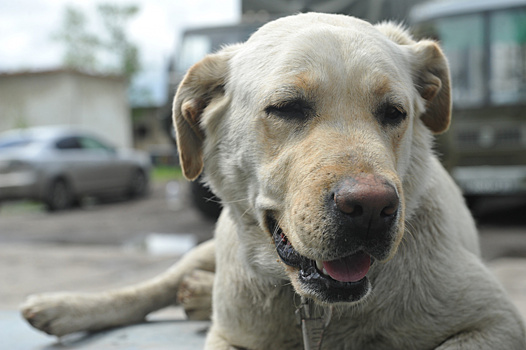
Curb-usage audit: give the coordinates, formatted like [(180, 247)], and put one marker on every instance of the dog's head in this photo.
[(310, 130)]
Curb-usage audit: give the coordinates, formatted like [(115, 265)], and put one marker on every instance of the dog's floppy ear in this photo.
[(203, 83), (431, 76)]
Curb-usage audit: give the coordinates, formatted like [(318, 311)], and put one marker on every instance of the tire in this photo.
[(59, 196), (472, 202), (205, 201), (138, 184)]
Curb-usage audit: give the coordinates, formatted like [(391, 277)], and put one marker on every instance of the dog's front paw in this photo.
[(195, 294), (58, 313)]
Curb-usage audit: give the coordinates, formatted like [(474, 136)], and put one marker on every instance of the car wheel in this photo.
[(59, 196), (139, 184)]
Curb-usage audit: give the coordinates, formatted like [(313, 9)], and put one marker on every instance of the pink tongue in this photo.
[(349, 269)]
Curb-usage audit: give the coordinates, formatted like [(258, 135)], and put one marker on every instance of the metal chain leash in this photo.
[(312, 323)]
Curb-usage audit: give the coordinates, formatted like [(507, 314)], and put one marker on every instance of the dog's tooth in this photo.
[(319, 266)]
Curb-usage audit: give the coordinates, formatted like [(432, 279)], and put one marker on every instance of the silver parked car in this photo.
[(59, 165)]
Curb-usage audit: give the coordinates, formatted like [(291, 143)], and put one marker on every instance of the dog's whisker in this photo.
[(234, 201), (246, 211)]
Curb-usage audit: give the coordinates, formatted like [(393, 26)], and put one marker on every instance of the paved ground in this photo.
[(110, 223), (161, 333), (91, 249), (103, 246)]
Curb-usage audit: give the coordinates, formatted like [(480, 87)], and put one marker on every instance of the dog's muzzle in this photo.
[(340, 280), (365, 209)]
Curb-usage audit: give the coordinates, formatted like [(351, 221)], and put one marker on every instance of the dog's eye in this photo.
[(290, 110), (393, 115)]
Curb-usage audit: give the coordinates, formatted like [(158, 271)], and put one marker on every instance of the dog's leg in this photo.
[(480, 341), (507, 333), (195, 294), (63, 313), (214, 341)]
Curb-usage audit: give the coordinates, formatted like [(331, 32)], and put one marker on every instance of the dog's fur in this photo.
[(311, 109)]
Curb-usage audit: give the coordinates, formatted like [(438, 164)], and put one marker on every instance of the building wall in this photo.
[(97, 103)]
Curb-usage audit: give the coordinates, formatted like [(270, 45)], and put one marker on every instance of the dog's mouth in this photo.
[(339, 280)]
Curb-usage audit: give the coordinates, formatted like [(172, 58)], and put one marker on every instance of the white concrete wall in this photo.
[(96, 103)]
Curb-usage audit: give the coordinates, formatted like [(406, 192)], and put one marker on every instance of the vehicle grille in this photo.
[(468, 138), (508, 137), (490, 138)]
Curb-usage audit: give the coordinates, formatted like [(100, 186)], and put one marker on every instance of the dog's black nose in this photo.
[(367, 204)]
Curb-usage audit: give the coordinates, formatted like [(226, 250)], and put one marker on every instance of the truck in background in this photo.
[(485, 42)]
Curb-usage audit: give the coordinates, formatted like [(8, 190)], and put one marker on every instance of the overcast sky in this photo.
[(26, 28)]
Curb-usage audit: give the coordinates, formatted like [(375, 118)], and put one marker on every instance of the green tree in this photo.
[(80, 46), (109, 52), (115, 19)]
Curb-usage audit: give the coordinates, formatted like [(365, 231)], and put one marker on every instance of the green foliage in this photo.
[(114, 19), (163, 173), (80, 45), (84, 49)]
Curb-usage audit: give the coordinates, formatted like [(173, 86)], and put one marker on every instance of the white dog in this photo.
[(316, 133)]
